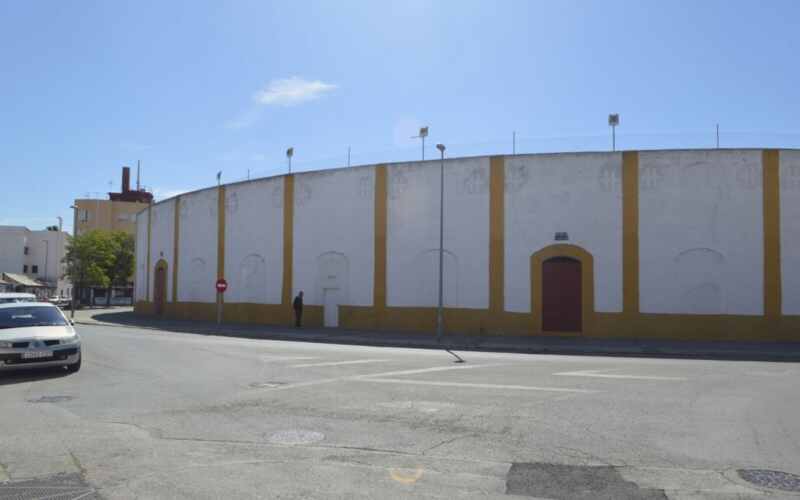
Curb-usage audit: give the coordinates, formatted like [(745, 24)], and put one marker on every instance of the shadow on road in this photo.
[(31, 375)]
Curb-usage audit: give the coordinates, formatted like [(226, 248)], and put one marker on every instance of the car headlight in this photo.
[(5, 345), (69, 340)]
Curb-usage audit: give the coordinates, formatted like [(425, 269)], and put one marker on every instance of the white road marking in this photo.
[(288, 358), (428, 370), (339, 363), (600, 374), (475, 386)]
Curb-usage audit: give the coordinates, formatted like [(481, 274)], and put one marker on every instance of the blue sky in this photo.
[(191, 88)]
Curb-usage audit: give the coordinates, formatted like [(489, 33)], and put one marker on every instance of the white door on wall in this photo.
[(330, 301)]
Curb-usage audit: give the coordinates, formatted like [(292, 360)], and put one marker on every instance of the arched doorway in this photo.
[(561, 295), (160, 287), (562, 289)]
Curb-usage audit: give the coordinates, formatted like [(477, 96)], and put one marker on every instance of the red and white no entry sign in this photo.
[(222, 285)]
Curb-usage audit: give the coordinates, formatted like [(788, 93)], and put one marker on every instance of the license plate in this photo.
[(37, 355)]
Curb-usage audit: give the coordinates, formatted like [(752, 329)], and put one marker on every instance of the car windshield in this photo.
[(19, 317)]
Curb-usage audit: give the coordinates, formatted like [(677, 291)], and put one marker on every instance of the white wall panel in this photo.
[(161, 242), (790, 231), (197, 244), (333, 234), (140, 279), (700, 232), (413, 234), (580, 194), (254, 241)]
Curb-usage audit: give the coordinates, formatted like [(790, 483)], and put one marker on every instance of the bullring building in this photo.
[(685, 244)]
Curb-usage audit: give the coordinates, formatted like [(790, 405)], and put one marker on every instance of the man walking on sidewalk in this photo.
[(297, 305)]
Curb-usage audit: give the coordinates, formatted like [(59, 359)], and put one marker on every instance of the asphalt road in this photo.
[(155, 414)]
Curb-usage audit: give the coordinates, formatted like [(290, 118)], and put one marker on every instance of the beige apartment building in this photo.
[(118, 213)]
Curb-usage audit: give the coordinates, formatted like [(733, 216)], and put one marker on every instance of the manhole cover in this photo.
[(294, 437), (51, 399), (266, 385), (773, 479)]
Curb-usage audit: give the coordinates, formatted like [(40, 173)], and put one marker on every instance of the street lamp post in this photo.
[(613, 121), (74, 233), (46, 257), (440, 311), (289, 154)]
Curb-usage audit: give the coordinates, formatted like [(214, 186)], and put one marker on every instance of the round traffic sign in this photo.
[(222, 285)]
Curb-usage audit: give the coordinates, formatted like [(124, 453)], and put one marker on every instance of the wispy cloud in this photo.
[(292, 91), (282, 92)]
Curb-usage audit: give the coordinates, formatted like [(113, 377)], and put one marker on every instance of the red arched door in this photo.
[(160, 288), (561, 295)]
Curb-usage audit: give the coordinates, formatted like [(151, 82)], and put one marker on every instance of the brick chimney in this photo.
[(126, 179)]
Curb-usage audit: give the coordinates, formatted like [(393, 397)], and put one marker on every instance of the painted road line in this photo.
[(288, 358), (339, 363), (601, 374), (429, 370), (476, 386)]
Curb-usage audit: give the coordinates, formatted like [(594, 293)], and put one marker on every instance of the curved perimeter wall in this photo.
[(688, 244)]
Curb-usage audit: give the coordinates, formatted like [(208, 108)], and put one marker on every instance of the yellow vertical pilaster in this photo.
[(772, 234), (221, 237), (379, 275), (149, 233), (175, 244), (496, 238), (288, 244), (630, 232)]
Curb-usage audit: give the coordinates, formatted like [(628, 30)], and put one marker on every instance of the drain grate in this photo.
[(52, 399), (59, 487), (296, 437), (773, 479)]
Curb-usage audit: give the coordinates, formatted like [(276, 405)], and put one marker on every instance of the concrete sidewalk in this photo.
[(762, 351)]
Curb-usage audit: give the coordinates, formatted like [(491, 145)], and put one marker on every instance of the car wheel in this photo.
[(74, 367)]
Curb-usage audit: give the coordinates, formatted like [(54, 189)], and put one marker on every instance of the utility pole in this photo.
[(348, 156), (717, 135), (514, 142)]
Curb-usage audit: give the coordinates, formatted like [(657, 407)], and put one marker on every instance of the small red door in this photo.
[(160, 289), (561, 295)]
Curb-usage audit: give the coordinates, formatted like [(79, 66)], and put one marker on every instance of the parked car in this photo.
[(37, 334), (7, 297)]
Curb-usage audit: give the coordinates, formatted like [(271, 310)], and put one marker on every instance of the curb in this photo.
[(727, 354)]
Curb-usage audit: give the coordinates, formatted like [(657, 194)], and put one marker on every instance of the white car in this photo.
[(17, 297), (37, 335)]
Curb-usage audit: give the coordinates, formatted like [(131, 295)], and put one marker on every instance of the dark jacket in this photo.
[(298, 304)]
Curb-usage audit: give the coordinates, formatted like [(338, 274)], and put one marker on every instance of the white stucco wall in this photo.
[(580, 194), (700, 232), (162, 227), (140, 278), (254, 241), (197, 244), (333, 234), (790, 231), (413, 234)]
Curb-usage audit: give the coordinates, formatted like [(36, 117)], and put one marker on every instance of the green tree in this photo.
[(121, 266), (87, 260)]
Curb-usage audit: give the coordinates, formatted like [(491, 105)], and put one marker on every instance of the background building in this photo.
[(30, 261), (671, 244), (117, 213)]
